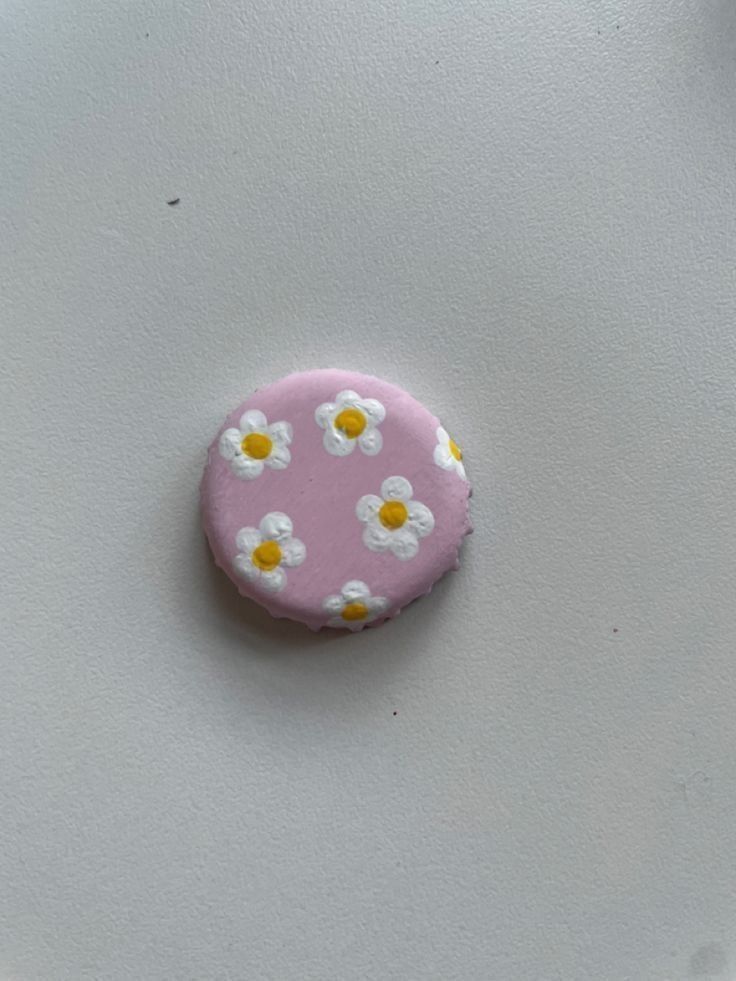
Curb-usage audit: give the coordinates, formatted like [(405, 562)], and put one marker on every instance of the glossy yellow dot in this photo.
[(267, 556), (256, 445), (455, 450), (352, 422), (393, 514), (355, 611)]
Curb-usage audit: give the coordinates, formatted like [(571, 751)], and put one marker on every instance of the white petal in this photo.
[(460, 467), (370, 442), (279, 459), (373, 409), (281, 433), (443, 436), (273, 581), (404, 543), (347, 397), (253, 421), (420, 519), (276, 526), (247, 539), (355, 590), (396, 489), (354, 625), (376, 606), (443, 457), (333, 604), (337, 444), (368, 506), (230, 443), (323, 414), (245, 568), (293, 552), (376, 537), (246, 467)]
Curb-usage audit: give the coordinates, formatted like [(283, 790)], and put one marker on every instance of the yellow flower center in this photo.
[(351, 422), (355, 611), (266, 556), (257, 445), (455, 450), (393, 514)]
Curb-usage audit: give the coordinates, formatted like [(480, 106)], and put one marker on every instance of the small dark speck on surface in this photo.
[(707, 961), (147, 34), (396, 713), (436, 62), (618, 26), (615, 630), (174, 201)]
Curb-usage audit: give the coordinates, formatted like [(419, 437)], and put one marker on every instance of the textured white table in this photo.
[(523, 213)]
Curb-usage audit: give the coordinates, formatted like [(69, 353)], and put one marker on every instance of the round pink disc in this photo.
[(335, 499)]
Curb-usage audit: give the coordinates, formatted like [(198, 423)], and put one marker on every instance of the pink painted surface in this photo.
[(319, 492)]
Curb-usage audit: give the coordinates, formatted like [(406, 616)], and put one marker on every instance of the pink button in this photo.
[(335, 499)]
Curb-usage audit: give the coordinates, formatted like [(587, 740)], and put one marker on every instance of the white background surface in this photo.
[(524, 214)]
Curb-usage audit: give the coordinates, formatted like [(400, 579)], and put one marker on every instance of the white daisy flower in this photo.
[(351, 420), (447, 454), (255, 445), (263, 552), (394, 522), (354, 606)]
